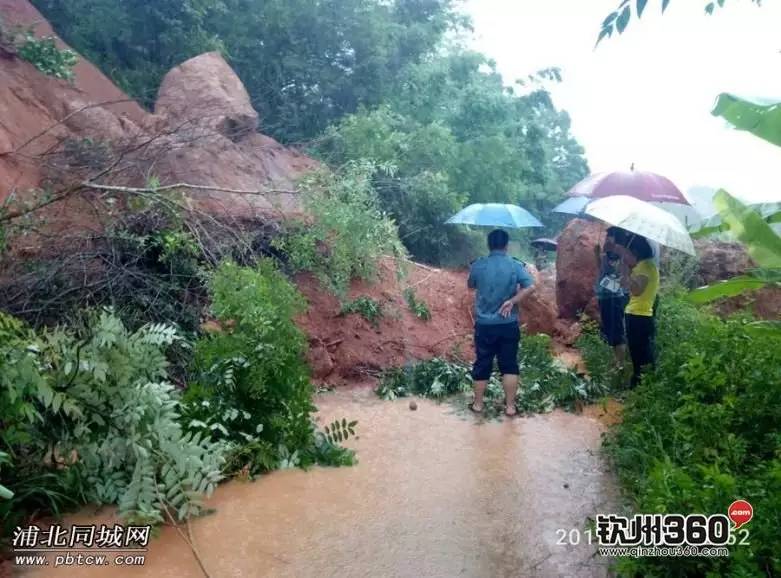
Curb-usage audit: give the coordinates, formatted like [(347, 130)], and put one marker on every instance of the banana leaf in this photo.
[(748, 227), (762, 328), (728, 288), (762, 120)]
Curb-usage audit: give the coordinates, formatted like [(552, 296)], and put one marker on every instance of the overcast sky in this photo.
[(646, 96)]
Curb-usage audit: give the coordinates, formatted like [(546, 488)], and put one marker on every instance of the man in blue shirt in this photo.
[(501, 283)]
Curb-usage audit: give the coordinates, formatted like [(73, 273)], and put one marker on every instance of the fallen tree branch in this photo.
[(149, 190), (426, 267), (11, 215)]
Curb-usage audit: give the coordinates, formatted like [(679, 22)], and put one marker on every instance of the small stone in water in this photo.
[(413, 405)]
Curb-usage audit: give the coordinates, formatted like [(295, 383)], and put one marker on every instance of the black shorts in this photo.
[(500, 341), (611, 312)]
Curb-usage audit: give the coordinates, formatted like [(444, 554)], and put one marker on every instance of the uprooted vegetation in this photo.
[(546, 383), (133, 401), (89, 413)]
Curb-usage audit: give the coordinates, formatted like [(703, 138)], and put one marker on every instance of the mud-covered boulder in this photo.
[(538, 309), (40, 112), (721, 260), (205, 90), (214, 141), (577, 268), (319, 360)]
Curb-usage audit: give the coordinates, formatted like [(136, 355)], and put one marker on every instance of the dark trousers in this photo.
[(641, 341), (496, 341)]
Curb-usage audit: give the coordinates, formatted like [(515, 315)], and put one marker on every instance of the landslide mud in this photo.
[(436, 493)]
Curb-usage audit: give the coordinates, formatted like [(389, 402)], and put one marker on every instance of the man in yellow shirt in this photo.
[(642, 283)]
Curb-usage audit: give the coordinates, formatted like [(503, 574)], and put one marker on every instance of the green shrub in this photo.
[(435, 378), (702, 430), (252, 385), (679, 271), (348, 235), (418, 308), (88, 417), (46, 57), (545, 382), (599, 357), (368, 308)]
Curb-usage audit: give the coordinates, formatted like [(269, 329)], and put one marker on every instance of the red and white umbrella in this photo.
[(641, 185)]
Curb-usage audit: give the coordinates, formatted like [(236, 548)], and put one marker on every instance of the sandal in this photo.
[(471, 407), (516, 414)]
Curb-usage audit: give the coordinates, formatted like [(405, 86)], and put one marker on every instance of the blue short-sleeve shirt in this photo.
[(496, 279)]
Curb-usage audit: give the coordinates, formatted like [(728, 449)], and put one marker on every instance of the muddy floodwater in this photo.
[(436, 492)]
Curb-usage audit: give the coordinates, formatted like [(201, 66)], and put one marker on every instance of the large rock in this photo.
[(205, 91), (538, 309), (203, 132), (215, 142), (577, 268), (720, 260)]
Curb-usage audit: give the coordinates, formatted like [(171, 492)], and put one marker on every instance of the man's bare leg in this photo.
[(510, 384), (478, 403)]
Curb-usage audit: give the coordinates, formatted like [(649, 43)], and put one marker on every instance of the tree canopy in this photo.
[(304, 63), (387, 81)]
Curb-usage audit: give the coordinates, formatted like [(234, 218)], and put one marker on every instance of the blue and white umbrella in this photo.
[(494, 215), (572, 206)]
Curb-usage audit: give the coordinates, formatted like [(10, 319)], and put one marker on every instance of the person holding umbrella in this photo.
[(612, 297), (501, 282), (635, 222), (642, 285)]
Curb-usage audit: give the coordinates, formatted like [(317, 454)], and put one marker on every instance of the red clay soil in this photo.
[(348, 348)]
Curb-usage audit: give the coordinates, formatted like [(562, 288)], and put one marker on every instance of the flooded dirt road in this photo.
[(436, 493)]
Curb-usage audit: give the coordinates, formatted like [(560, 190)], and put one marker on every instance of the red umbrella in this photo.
[(639, 184)]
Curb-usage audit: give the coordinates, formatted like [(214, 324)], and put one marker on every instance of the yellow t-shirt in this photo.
[(643, 304)]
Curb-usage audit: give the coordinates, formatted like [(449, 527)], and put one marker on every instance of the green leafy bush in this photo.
[(598, 357), (46, 57), (368, 308), (702, 430), (435, 378), (418, 308), (252, 386), (679, 271), (90, 418), (349, 234), (545, 382)]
